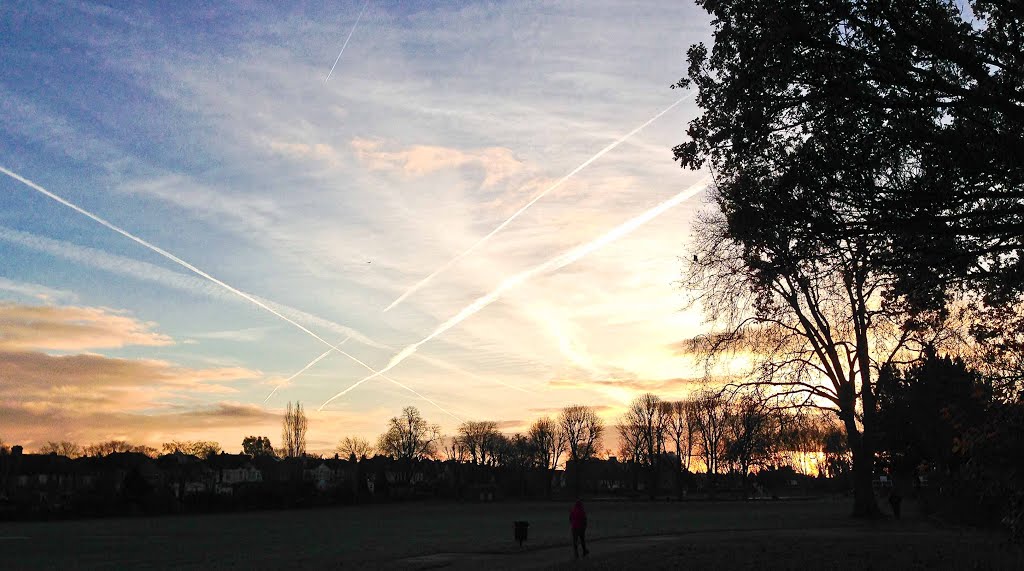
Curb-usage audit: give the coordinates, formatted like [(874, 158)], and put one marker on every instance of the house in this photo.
[(43, 480), (328, 474), (186, 474), (231, 470)]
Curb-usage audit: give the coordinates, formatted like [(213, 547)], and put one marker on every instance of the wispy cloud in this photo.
[(37, 291), (552, 264), (247, 335), (145, 271), (71, 329)]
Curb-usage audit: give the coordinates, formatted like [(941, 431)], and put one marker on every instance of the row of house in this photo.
[(52, 483)]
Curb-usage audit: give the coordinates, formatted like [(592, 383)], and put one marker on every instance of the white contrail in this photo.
[(555, 263), (146, 271), (516, 214), (201, 273), (352, 31), (306, 368)]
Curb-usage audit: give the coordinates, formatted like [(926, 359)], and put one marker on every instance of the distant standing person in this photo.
[(578, 523), (896, 496)]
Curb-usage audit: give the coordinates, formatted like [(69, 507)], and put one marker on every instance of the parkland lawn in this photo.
[(805, 534)]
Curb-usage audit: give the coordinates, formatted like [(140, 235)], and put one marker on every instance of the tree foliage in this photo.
[(897, 123), (847, 204), (256, 446)]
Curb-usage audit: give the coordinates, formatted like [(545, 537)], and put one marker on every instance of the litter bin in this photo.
[(521, 530)]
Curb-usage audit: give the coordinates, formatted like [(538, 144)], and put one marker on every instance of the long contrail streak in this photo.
[(201, 273), (352, 31), (306, 368), (516, 214), (555, 263)]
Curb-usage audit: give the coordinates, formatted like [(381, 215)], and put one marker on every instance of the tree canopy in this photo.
[(899, 122)]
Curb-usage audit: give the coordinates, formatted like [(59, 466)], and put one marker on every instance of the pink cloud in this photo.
[(498, 163), (69, 328)]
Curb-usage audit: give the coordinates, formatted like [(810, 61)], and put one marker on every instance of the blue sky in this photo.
[(211, 132)]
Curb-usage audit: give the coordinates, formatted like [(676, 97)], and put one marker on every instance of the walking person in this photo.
[(578, 523)]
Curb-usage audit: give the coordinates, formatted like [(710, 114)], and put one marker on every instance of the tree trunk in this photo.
[(679, 477), (864, 504), (652, 480), (577, 477)]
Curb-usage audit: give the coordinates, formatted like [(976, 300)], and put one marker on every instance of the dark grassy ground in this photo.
[(745, 535)]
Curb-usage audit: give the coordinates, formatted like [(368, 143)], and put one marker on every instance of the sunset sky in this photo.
[(211, 132)]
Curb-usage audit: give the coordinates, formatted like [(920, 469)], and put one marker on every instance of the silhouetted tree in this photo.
[(116, 446), (200, 448), (838, 459), (256, 446), (453, 449), (582, 429), (62, 448), (814, 320), (860, 157), (710, 415), (409, 437), (683, 433), (751, 433), (293, 432), (645, 424), (905, 117), (480, 439), (926, 409), (354, 446), (548, 444)]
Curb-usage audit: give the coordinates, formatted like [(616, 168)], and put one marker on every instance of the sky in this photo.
[(213, 134)]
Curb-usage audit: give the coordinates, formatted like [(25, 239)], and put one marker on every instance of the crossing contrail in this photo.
[(306, 368), (516, 214), (352, 31), (205, 275), (555, 263)]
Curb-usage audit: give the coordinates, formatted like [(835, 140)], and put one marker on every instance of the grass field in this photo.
[(814, 534)]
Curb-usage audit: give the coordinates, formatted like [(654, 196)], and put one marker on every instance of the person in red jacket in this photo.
[(578, 522)]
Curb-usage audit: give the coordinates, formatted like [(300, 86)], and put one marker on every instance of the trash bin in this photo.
[(521, 530)]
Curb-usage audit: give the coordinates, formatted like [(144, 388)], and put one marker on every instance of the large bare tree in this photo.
[(62, 448), (582, 429), (547, 441), (480, 438), (117, 446), (683, 433), (354, 447), (293, 431), (645, 424), (815, 328), (709, 414), (751, 433), (409, 437)]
